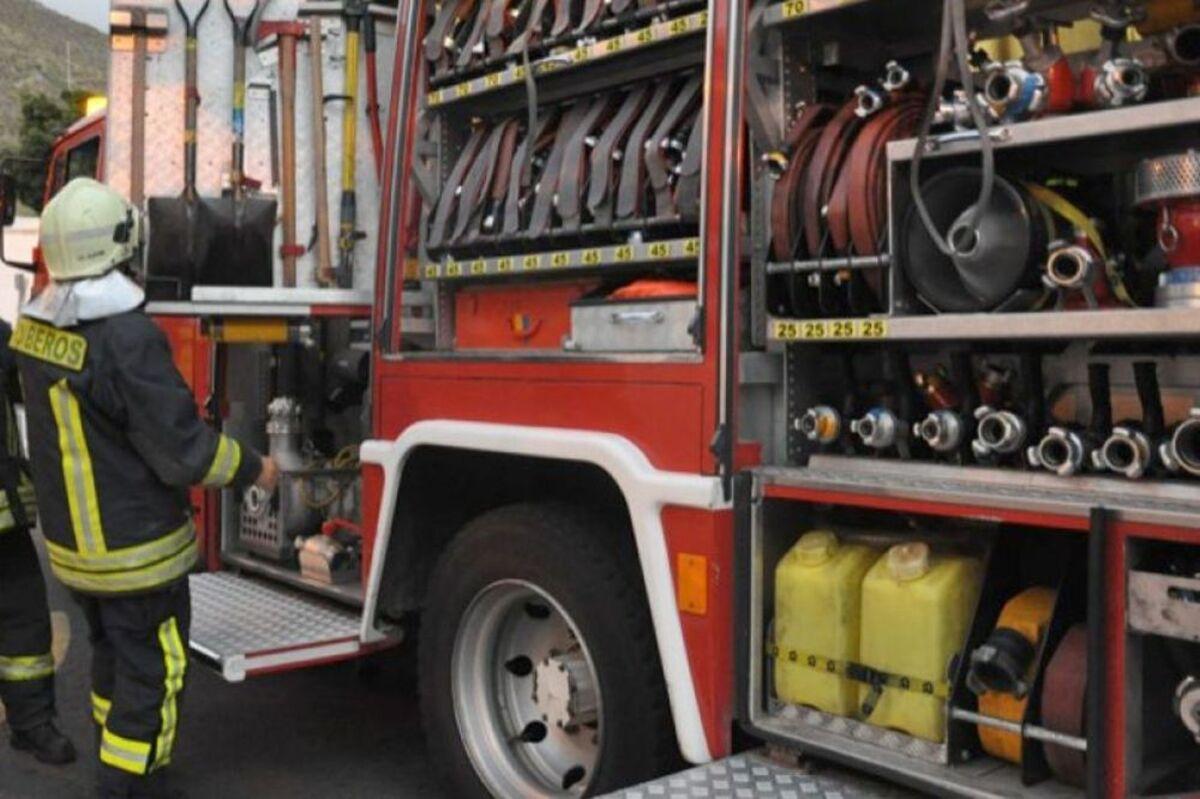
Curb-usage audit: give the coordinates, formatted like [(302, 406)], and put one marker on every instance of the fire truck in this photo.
[(689, 376)]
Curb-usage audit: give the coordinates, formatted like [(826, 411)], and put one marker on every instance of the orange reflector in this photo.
[(692, 584), (251, 331)]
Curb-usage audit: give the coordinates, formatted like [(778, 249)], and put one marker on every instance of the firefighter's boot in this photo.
[(46, 743)]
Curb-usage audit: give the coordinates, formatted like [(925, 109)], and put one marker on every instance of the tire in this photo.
[(476, 606)]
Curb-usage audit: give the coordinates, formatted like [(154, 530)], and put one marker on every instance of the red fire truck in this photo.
[(822, 371)]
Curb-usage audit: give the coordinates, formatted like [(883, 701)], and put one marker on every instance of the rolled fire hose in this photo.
[(1064, 705)]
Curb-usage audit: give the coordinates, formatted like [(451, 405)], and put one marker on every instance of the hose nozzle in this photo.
[(1127, 452), (820, 424), (1062, 451), (942, 430), (1181, 452), (878, 429), (998, 432)]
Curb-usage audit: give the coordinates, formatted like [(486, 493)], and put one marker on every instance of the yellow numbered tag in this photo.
[(702, 19), (830, 329), (479, 267), (644, 36), (519, 72), (660, 250), (504, 265), (431, 272), (453, 269), (462, 90), (531, 262), (592, 257), (678, 27), (691, 248), (435, 97), (872, 328), (794, 8), (580, 55), (623, 254), (614, 45), (560, 260), (492, 80)]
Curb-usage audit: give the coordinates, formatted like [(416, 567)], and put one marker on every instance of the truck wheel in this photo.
[(539, 672)]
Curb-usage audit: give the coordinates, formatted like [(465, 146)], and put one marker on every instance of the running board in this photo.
[(752, 775), (244, 627)]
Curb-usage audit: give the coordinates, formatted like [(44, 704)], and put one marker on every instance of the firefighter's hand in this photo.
[(268, 478)]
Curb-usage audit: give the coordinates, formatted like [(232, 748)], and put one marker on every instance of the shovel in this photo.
[(240, 229), (176, 244)]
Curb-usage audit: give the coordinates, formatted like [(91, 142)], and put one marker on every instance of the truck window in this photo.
[(83, 161)]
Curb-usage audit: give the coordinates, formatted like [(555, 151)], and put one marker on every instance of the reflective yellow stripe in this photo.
[(26, 667), (124, 753), (78, 478), (100, 708), (225, 463), (130, 580), (126, 558), (175, 662)]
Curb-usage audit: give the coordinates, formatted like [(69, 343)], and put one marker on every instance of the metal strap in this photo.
[(631, 189), (605, 154)]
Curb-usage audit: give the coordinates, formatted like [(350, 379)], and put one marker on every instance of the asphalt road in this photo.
[(322, 732)]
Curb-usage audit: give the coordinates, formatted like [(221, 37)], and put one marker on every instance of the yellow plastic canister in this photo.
[(1028, 614), (818, 596), (916, 610)]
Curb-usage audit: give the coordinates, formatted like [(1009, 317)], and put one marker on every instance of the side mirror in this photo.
[(8, 210), (8, 199)]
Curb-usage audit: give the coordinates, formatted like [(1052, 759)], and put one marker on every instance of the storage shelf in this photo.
[(1119, 324), (923, 13), (988, 493), (259, 302), (589, 258), (586, 53)]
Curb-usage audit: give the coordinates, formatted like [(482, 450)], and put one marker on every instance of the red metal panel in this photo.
[(516, 317), (709, 638), (1114, 691), (372, 496), (664, 420)]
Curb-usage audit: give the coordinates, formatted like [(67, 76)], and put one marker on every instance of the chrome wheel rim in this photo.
[(526, 697)]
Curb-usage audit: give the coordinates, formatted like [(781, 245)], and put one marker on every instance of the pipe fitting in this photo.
[(1181, 452), (895, 77), (1062, 451), (1070, 267), (1183, 45), (878, 429), (1013, 92), (820, 424), (942, 430), (870, 101), (1127, 452), (998, 432), (1120, 81)]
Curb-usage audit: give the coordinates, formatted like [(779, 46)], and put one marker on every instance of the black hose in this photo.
[(1145, 375), (1100, 392), (901, 381), (1033, 392)]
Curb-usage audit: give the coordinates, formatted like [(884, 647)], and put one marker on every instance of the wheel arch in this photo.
[(604, 466)]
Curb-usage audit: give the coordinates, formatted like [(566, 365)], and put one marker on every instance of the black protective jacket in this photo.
[(115, 441)]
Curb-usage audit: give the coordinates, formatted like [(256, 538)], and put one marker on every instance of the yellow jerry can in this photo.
[(818, 597), (1003, 668), (916, 611)]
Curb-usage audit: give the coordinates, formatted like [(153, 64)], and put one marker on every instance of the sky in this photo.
[(93, 12)]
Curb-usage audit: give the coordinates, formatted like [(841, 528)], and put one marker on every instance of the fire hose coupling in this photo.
[(1013, 92), (820, 424), (878, 429), (1127, 452), (1181, 452), (895, 77), (942, 430), (1183, 45), (1062, 451), (1187, 705), (1118, 82), (870, 100), (1071, 266), (998, 432)]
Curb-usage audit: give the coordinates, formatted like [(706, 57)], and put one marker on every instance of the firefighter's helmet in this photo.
[(87, 230)]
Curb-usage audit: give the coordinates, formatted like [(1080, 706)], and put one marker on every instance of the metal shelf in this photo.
[(272, 302), (923, 14), (1119, 324), (648, 39), (1109, 123), (993, 492), (590, 258)]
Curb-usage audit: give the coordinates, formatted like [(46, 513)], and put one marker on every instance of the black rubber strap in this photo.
[(571, 183), (478, 181), (452, 188), (632, 188), (573, 121), (687, 190), (604, 155), (657, 168), (521, 178)]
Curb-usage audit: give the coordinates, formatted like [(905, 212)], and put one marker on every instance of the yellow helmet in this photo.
[(87, 230)]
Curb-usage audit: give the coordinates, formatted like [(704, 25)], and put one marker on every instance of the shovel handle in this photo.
[(191, 95), (242, 42)]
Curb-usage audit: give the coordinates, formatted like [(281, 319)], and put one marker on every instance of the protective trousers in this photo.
[(139, 661), (26, 665)]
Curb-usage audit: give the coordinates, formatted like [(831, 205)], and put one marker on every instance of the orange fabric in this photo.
[(648, 289)]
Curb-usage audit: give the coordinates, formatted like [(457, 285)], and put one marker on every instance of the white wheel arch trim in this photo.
[(646, 490)]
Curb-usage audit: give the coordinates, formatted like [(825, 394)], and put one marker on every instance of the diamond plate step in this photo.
[(246, 627), (753, 776)]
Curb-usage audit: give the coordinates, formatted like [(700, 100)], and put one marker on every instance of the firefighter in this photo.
[(116, 441), (26, 663)]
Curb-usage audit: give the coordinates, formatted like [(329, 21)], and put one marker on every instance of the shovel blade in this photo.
[(173, 248), (238, 241)]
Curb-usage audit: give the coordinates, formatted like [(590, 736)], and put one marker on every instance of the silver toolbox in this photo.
[(654, 325)]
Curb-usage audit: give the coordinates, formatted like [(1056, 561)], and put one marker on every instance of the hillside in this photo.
[(33, 58)]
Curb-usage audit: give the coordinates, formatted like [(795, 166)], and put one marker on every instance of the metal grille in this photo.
[(752, 776), (1167, 178), (261, 534)]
